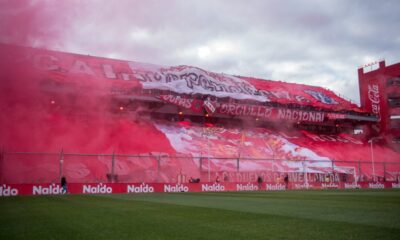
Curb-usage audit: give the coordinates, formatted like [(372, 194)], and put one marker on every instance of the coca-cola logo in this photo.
[(6, 191), (373, 96), (373, 93)]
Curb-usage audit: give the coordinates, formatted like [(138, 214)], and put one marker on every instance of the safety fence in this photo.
[(38, 168)]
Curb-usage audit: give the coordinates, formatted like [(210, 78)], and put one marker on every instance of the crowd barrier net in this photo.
[(24, 167)]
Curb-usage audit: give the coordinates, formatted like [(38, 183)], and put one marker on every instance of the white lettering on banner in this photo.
[(352, 186), (336, 116), (189, 80), (108, 71), (245, 110), (301, 186), (143, 188), (333, 138), (247, 187), (99, 188), (81, 67), (283, 95), (376, 185), (296, 115), (181, 79), (374, 97), (52, 189), (45, 62), (395, 185), (175, 188), (287, 136), (328, 138), (212, 188), (7, 191), (275, 187), (177, 100), (329, 185)]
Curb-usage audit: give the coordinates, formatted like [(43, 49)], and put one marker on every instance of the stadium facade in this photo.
[(380, 94), (123, 126)]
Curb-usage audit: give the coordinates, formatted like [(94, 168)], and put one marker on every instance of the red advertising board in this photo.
[(7, 190)]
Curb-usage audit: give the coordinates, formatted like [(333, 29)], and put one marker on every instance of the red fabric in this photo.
[(292, 93)]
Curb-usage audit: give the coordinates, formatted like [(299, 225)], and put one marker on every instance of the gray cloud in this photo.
[(313, 42)]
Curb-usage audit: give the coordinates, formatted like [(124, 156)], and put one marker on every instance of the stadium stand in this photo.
[(99, 120)]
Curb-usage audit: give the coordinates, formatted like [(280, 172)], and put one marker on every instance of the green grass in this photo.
[(341, 214)]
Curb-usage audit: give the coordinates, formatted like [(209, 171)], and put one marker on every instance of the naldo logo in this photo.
[(175, 188), (143, 188), (99, 188), (49, 190), (6, 191), (212, 188)]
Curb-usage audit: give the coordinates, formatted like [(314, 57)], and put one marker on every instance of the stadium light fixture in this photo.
[(371, 141)]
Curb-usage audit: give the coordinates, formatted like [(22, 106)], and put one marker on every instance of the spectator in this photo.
[(64, 185), (286, 180), (217, 179), (259, 181)]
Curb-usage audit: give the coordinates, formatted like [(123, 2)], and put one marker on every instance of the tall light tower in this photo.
[(371, 141)]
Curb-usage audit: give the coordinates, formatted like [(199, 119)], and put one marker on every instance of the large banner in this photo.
[(300, 94), (192, 80), (248, 110), (270, 113), (9, 190), (94, 72)]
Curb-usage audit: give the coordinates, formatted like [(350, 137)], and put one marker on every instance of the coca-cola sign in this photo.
[(374, 97)]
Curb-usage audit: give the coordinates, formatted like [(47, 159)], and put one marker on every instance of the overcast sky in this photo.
[(313, 42)]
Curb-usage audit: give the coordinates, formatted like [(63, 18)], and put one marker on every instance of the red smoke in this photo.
[(50, 110), (36, 119), (34, 23)]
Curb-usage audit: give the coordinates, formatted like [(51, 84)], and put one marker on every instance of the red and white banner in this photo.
[(270, 113), (89, 71), (193, 80), (9, 190), (193, 104)]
